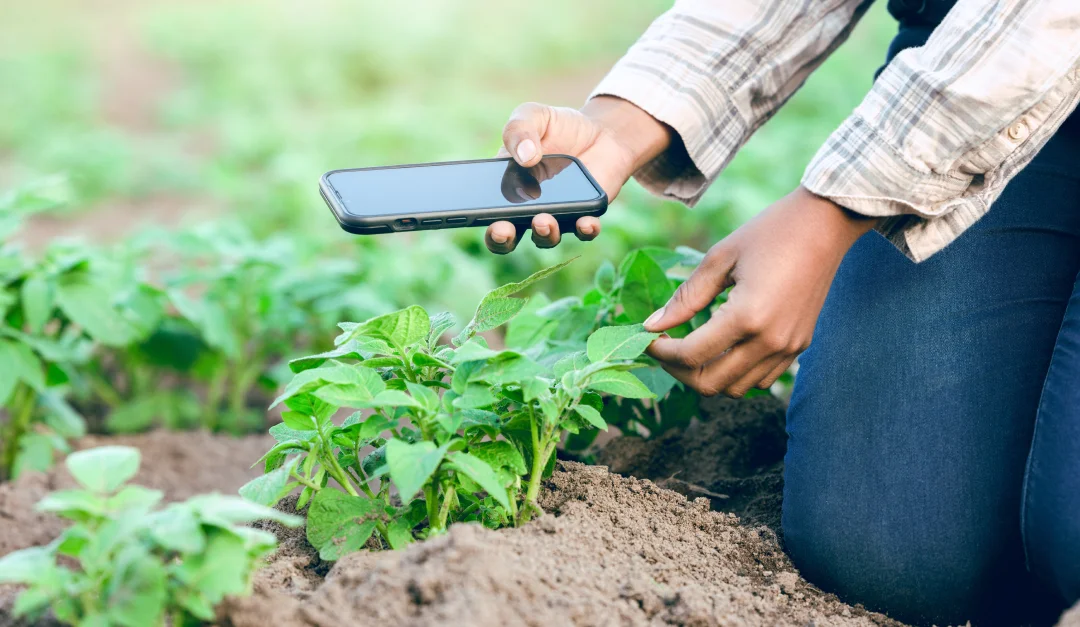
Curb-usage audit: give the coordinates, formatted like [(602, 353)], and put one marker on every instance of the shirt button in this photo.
[(1018, 132)]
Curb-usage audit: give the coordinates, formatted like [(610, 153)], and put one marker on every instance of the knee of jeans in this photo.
[(1051, 531), (884, 567)]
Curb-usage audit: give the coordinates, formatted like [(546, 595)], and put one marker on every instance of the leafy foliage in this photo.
[(625, 295), (137, 566), (463, 432)]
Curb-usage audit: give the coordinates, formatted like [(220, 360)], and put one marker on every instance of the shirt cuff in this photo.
[(861, 171), (683, 171)]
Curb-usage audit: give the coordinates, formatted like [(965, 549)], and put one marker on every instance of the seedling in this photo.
[(462, 432), (137, 566)]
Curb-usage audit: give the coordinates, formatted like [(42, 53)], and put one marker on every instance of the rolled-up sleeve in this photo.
[(947, 125), (715, 71)]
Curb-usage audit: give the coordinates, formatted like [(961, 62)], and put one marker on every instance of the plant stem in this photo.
[(214, 394), (539, 461), (306, 482), (444, 511), (242, 385), (339, 475), (22, 410), (431, 500), (409, 372)]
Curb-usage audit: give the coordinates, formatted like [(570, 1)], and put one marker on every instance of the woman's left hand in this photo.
[(779, 266)]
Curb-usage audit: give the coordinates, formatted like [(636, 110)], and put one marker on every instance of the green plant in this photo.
[(54, 311), (137, 566), (463, 432)]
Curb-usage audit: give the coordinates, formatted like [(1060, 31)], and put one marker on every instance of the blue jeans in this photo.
[(933, 463)]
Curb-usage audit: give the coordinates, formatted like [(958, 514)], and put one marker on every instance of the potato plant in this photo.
[(53, 312), (137, 566), (461, 431)]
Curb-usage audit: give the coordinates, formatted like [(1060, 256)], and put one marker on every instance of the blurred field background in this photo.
[(122, 114)]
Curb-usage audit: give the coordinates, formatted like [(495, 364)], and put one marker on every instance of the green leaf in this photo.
[(427, 397), (440, 323), (483, 474), (26, 566), (507, 368), (497, 308), (284, 433), (78, 505), (591, 416), (223, 568), (176, 528), (103, 469), (393, 398), (475, 396), (657, 380), (399, 533), (339, 524), (424, 360), (336, 374), (37, 301), (411, 465), (474, 350), (531, 326), (618, 343), (18, 363), (270, 488), (645, 287), (357, 348), (500, 454), (619, 383), (135, 593), (358, 393), (573, 361), (35, 453), (88, 303), (225, 511), (403, 327)]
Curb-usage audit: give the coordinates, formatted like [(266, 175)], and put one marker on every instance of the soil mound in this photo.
[(611, 550), (734, 456)]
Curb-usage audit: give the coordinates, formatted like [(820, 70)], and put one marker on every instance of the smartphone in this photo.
[(460, 193)]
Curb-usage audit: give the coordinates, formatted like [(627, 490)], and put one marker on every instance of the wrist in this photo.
[(845, 225), (641, 136)]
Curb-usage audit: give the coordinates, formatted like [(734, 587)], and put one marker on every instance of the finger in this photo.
[(776, 373), (501, 237), (587, 228), (698, 292), (545, 231), (503, 153), (704, 344), (523, 131), (717, 375), (755, 377)]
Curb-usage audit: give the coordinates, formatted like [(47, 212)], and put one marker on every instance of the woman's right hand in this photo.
[(611, 137)]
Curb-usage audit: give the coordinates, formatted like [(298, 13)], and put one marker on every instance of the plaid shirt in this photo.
[(942, 131)]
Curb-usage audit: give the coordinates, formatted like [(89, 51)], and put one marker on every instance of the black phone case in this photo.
[(565, 213)]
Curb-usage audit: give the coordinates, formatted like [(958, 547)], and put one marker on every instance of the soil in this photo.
[(611, 550), (734, 456)]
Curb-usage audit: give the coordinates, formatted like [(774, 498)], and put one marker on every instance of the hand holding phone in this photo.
[(461, 193)]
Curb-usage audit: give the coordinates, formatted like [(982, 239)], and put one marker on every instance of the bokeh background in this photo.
[(177, 112)]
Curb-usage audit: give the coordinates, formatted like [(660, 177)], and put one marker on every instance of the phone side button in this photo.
[(430, 222), (456, 220)]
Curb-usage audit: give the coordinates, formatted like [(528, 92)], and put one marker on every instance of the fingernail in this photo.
[(542, 230), (499, 239), (657, 315), (587, 230), (526, 150)]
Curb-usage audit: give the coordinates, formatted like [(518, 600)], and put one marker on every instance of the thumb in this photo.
[(524, 130), (697, 292)]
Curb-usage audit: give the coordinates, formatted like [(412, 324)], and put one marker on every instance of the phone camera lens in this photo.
[(405, 224)]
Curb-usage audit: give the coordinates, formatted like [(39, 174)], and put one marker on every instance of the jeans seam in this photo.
[(1025, 496)]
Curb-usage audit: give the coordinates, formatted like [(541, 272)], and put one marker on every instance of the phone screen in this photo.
[(460, 186)]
